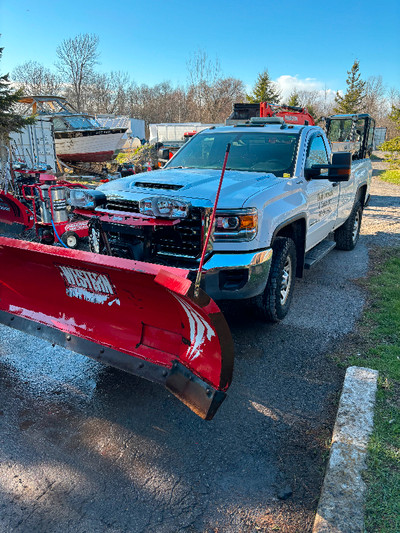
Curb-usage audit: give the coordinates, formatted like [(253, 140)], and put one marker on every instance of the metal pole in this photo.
[(211, 225)]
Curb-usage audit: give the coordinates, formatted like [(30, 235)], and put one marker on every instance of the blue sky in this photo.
[(310, 44)]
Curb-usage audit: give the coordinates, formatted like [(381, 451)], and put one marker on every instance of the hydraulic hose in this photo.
[(57, 235)]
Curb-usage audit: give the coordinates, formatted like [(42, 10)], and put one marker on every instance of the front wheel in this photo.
[(273, 304), (70, 239), (347, 235)]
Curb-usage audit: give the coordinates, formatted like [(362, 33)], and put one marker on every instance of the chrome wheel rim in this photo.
[(286, 280), (356, 226)]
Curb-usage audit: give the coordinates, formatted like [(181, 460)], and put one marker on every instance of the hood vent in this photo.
[(165, 186)]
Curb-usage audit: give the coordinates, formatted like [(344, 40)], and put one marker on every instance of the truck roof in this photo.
[(261, 128), (349, 115)]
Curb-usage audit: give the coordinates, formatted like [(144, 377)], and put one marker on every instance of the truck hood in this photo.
[(199, 184)]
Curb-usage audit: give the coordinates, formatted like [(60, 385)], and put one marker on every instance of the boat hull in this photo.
[(88, 146)]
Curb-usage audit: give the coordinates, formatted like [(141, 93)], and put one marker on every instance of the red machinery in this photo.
[(243, 112), (290, 114), (40, 201), (188, 135)]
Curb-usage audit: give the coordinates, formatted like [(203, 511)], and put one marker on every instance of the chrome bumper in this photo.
[(235, 276)]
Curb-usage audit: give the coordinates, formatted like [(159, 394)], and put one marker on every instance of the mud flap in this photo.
[(139, 317)]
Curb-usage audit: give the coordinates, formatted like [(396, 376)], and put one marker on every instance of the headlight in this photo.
[(236, 225), (86, 198), (164, 207)]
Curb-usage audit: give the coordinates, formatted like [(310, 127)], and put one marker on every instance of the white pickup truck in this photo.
[(286, 200)]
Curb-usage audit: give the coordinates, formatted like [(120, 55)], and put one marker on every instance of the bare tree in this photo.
[(317, 102), (160, 103), (220, 97), (76, 59), (202, 75), (392, 100), (35, 79), (108, 93), (374, 101)]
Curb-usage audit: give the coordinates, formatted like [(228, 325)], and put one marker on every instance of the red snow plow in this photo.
[(139, 317)]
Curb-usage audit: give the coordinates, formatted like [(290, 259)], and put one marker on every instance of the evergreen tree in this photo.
[(9, 121), (264, 90), (352, 101), (294, 99)]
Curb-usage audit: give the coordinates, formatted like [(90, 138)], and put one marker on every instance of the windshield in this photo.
[(82, 123), (251, 151)]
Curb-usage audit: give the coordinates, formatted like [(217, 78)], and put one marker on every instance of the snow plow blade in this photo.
[(139, 317)]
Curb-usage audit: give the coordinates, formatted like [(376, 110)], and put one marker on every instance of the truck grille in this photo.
[(182, 240), (123, 205)]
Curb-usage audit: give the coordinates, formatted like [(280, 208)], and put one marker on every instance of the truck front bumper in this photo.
[(236, 276)]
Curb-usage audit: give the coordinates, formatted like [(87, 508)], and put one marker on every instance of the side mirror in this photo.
[(312, 173), (338, 170)]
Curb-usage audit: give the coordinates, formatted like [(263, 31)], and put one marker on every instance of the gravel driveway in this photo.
[(86, 448)]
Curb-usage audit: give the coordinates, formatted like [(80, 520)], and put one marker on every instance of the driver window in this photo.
[(316, 153), (360, 129)]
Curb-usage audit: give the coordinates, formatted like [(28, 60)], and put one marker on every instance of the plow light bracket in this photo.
[(159, 206)]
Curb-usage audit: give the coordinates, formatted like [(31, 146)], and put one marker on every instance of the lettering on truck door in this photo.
[(322, 195)]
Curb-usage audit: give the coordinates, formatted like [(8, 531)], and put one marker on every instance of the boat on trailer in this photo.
[(79, 137)]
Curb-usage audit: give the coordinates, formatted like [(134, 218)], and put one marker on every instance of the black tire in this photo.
[(273, 304), (346, 237), (47, 237), (70, 239)]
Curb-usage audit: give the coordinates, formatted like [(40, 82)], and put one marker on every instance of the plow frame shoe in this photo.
[(199, 396)]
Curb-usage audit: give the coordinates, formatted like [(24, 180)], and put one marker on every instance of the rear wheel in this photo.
[(273, 304), (346, 237)]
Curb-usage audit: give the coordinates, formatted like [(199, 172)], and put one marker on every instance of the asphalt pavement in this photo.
[(87, 448)]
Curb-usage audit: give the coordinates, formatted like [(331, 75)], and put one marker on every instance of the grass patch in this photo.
[(391, 176), (379, 333)]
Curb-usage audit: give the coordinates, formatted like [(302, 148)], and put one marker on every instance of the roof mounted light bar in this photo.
[(267, 120), (261, 122)]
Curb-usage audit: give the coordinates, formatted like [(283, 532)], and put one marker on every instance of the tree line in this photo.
[(361, 96), (206, 97)]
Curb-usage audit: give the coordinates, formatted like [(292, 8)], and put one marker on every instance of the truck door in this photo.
[(322, 195)]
